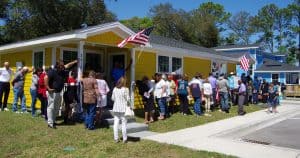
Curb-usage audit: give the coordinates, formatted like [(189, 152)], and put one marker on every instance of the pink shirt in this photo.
[(103, 87)]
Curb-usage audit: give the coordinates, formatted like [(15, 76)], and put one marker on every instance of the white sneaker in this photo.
[(6, 109), (17, 112)]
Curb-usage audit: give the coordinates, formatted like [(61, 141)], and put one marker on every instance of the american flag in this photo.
[(244, 63), (140, 38)]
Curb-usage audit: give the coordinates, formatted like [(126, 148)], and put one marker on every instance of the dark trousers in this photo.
[(264, 98), (90, 115), (234, 97), (183, 103), (44, 104), (241, 104), (214, 93), (255, 98), (4, 89)]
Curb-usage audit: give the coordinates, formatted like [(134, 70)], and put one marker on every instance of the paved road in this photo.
[(280, 130), (284, 134)]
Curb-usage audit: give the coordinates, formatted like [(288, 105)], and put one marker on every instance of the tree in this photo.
[(214, 11), (295, 10), (240, 25), (137, 23), (264, 22), (28, 19), (282, 24), (207, 21)]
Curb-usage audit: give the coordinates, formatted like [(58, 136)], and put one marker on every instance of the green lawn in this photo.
[(178, 121), (24, 136)]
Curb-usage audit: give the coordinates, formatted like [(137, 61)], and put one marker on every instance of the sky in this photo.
[(125, 9)]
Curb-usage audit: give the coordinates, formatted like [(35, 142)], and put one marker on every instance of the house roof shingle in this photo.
[(272, 65)]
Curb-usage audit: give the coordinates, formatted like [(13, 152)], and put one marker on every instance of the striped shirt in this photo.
[(120, 96)]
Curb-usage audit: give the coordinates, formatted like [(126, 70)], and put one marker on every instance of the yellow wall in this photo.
[(145, 65), (26, 58), (107, 38), (193, 65), (231, 68)]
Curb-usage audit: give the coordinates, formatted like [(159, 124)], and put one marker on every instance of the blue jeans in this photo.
[(197, 106), (19, 93), (255, 98), (162, 103), (90, 115), (33, 93), (224, 101)]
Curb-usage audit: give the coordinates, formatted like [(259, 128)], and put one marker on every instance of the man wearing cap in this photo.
[(5, 76), (18, 89), (223, 89)]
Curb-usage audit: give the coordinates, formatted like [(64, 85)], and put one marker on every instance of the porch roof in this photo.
[(74, 35)]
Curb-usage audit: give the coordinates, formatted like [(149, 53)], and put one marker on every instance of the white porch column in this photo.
[(132, 76), (80, 48), (53, 56)]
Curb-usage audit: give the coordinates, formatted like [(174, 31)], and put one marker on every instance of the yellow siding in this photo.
[(194, 65), (231, 68), (26, 58), (145, 65), (48, 56), (107, 38)]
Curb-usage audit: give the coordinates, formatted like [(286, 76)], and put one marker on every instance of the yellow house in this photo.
[(96, 48)]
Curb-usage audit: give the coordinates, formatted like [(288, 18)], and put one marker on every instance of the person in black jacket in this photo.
[(146, 91)]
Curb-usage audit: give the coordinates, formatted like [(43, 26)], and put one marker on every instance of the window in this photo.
[(69, 56), (38, 59), (292, 78), (176, 64), (93, 62), (168, 64), (163, 64), (275, 78)]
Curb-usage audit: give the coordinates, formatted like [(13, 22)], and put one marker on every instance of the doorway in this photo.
[(116, 61), (93, 61)]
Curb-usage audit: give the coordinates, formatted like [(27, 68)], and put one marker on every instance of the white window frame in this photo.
[(37, 51), (170, 61)]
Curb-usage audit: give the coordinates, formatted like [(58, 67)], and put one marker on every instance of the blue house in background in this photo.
[(272, 67)]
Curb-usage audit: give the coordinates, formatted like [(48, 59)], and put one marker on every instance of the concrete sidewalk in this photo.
[(224, 136)]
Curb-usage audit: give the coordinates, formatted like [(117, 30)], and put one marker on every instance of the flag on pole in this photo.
[(140, 38), (244, 63)]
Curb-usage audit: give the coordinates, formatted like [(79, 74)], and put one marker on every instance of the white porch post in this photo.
[(132, 76), (53, 56), (80, 48)]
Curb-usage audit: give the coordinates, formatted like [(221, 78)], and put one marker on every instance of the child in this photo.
[(207, 95), (102, 99), (273, 98)]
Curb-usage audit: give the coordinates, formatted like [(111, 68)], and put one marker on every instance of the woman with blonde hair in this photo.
[(120, 96)]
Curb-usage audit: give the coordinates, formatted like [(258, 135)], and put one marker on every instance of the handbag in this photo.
[(129, 112)]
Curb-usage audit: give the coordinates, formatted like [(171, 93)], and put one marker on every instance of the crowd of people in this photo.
[(207, 94), (59, 86)]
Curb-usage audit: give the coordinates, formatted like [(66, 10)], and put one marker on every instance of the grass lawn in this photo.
[(178, 121), (24, 136)]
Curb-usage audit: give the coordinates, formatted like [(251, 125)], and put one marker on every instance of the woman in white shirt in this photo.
[(207, 95), (120, 96), (161, 96)]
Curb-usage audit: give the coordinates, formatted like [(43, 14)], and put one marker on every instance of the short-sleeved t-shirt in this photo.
[(19, 80), (196, 86), (56, 81), (182, 87)]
